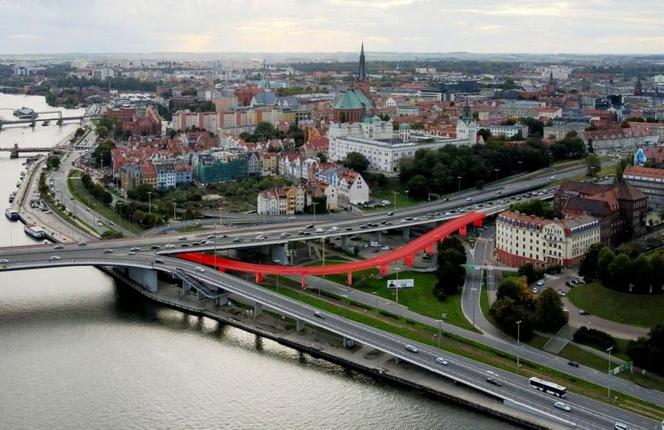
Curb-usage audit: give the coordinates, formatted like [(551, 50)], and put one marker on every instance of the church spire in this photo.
[(362, 69)]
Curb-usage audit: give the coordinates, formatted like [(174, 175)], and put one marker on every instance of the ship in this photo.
[(25, 113), (11, 214), (12, 196), (34, 231)]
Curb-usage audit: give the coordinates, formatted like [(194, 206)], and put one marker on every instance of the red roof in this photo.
[(647, 172)]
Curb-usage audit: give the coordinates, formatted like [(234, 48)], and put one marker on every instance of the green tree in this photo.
[(356, 161), (620, 168), (657, 274), (620, 273), (53, 162), (264, 131), (589, 267), (506, 313), (516, 288), (101, 156), (641, 273), (593, 165), (606, 257), (418, 187), (535, 207), (549, 315), (648, 352)]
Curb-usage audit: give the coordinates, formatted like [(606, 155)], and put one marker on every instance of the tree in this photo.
[(648, 352), (506, 313), (535, 207), (322, 157), (606, 257), (657, 274), (264, 130), (516, 289), (418, 187), (549, 315), (641, 273), (593, 165), (101, 156), (589, 267), (450, 274), (356, 161), (530, 272), (620, 273), (620, 168), (53, 162)]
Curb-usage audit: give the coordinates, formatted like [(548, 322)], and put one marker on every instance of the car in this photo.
[(309, 226), (200, 269), (569, 284), (320, 230), (573, 363), (552, 177), (469, 199), (185, 245), (561, 293), (319, 315), (499, 192), (334, 228), (4, 260), (582, 312), (493, 381), (375, 250), (441, 360), (131, 253), (182, 238), (284, 234), (620, 426), (108, 251), (155, 247), (492, 373), (411, 348), (135, 249), (349, 228), (261, 237), (535, 290), (237, 240), (82, 244), (99, 223), (111, 222), (385, 248), (562, 406), (291, 218), (540, 283), (210, 236), (195, 244), (409, 218), (208, 242), (390, 213), (58, 246), (564, 308), (54, 257), (159, 261), (169, 246), (222, 236)]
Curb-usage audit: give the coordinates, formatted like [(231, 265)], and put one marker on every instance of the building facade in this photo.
[(649, 181), (543, 242)]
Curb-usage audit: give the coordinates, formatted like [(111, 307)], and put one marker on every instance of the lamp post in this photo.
[(150, 202), (314, 204), (520, 162), (496, 170), (608, 381), (440, 331), (473, 290), (459, 178), (396, 287), (394, 200), (518, 341), (221, 217), (174, 205)]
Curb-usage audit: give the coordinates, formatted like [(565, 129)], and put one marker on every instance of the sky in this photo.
[(479, 26)]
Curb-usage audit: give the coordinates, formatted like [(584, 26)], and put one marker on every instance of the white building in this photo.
[(543, 242), (380, 144), (352, 189)]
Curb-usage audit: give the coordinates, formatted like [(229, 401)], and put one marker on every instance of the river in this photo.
[(78, 352)]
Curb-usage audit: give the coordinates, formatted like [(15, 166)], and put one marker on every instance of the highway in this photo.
[(585, 413)]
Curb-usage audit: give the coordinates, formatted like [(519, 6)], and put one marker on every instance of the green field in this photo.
[(77, 189), (385, 193), (633, 309), (472, 350)]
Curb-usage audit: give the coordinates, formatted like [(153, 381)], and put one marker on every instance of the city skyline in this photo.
[(426, 26)]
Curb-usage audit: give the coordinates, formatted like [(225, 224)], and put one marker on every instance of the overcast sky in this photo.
[(482, 26)]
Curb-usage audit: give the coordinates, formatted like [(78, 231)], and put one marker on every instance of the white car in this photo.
[(441, 360), (469, 199), (169, 246), (4, 260), (540, 283), (54, 257), (200, 269), (562, 406), (320, 230)]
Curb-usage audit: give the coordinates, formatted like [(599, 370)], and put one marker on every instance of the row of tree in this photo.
[(623, 270), (535, 207), (515, 302), (451, 274), (452, 167), (96, 190), (265, 131), (648, 352)]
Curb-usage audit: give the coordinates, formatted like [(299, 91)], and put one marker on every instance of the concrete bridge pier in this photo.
[(299, 325), (258, 309), (405, 233), (379, 237), (344, 243), (147, 278), (347, 343), (280, 252), (222, 300)]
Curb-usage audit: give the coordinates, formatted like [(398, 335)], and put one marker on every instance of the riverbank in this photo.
[(329, 347)]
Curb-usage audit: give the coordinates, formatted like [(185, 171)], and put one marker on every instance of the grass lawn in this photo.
[(419, 299), (537, 341), (77, 189), (385, 193), (573, 352), (634, 309), (472, 350)]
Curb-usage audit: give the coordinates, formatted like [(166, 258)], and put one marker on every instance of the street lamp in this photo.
[(396, 286), (149, 202), (608, 381), (496, 170), (440, 331), (518, 341), (314, 204), (394, 200), (473, 299), (174, 205), (459, 184)]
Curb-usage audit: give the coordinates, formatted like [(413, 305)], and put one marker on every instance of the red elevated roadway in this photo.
[(406, 253)]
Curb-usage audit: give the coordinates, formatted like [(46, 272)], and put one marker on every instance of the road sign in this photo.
[(401, 283)]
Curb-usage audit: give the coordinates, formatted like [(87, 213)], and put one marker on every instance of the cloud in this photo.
[(589, 26)]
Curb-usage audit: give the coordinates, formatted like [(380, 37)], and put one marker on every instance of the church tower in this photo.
[(362, 68), (638, 87)]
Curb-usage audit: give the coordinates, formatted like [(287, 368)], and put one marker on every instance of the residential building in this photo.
[(281, 201), (649, 181), (148, 175), (166, 176), (543, 242), (619, 139), (352, 189), (183, 174), (561, 130), (620, 208), (253, 164)]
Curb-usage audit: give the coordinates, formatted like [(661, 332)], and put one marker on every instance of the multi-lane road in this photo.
[(585, 413)]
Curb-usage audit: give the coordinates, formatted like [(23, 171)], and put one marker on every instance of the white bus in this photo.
[(548, 387)]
